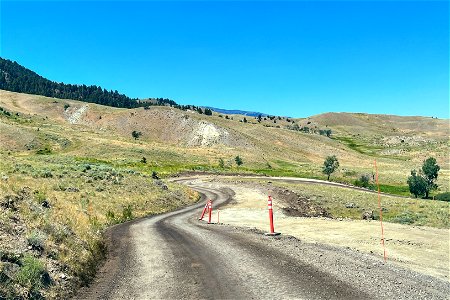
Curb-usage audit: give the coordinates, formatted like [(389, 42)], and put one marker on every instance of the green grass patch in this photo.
[(443, 197), (92, 160), (31, 273), (401, 190), (44, 151), (357, 146)]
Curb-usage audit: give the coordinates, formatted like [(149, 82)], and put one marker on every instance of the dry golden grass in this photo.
[(84, 197)]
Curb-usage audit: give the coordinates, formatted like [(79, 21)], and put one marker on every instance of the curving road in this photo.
[(175, 256)]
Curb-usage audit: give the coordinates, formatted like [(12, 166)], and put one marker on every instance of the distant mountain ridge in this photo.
[(236, 112)]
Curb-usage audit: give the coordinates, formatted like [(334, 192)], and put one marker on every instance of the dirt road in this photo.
[(175, 256)]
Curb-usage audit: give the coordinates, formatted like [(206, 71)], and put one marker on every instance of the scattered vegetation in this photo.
[(305, 129), (136, 134), (37, 240), (364, 181), (238, 161), (330, 165), (443, 197), (221, 163), (32, 274), (417, 184), (44, 151), (422, 182), (127, 213), (208, 112)]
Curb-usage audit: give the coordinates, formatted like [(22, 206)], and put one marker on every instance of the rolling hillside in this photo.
[(175, 140)]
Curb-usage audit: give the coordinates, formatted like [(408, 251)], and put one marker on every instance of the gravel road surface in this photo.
[(176, 256)]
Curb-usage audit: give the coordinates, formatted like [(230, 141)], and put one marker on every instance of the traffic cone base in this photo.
[(272, 233)]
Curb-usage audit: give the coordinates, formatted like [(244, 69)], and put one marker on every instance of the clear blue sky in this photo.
[(295, 58)]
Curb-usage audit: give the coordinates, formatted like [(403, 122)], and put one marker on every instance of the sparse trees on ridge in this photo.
[(16, 78)]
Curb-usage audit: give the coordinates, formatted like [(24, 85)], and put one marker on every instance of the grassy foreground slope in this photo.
[(58, 192), (70, 169)]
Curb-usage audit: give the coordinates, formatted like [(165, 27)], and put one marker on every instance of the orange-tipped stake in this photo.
[(204, 211), (381, 212), (272, 229), (209, 211)]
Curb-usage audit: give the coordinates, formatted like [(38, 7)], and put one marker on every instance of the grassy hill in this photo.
[(173, 140), (69, 169)]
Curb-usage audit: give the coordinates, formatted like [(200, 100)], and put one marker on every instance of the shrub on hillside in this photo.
[(221, 163), (127, 213), (44, 151), (363, 181), (443, 197), (37, 240), (406, 218), (110, 217), (136, 134), (238, 161), (32, 274)]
